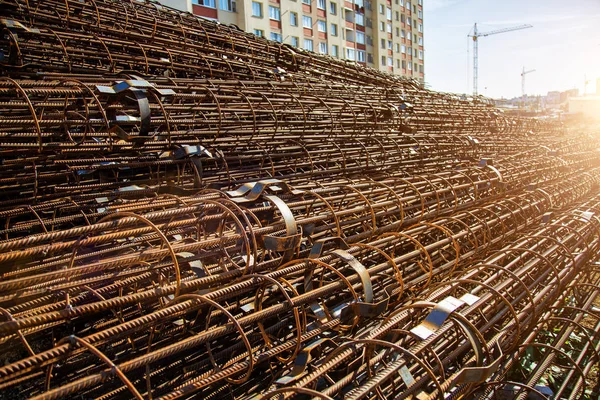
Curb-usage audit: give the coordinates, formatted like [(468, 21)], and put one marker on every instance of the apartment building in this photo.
[(382, 34)]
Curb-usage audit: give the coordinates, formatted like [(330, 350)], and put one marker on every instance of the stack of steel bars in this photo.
[(190, 211)]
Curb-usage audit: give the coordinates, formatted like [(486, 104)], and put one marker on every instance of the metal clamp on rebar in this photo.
[(251, 191), (440, 314), (138, 88), (287, 241), (309, 352), (366, 308)]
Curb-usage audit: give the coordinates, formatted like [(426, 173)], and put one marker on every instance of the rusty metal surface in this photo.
[(189, 211)]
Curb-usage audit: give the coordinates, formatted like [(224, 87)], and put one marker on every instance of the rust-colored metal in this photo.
[(189, 211)]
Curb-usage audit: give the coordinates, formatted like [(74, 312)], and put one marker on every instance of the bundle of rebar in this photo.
[(190, 211)]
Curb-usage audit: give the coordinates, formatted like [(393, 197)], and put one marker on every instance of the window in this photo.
[(370, 58), (397, 32), (308, 44), (361, 56), (408, 21), (257, 9), (421, 68), (397, 63), (389, 28), (420, 27), (415, 39), (360, 19), (402, 3), (381, 9), (403, 49), (382, 61), (390, 62), (407, 5), (410, 66), (274, 13), (420, 14), (415, 11), (259, 33), (390, 44), (293, 19), (397, 16), (383, 43), (294, 41), (409, 37), (420, 2), (420, 54), (226, 5), (350, 54), (397, 48), (416, 67), (360, 37), (382, 26), (414, 23), (307, 22), (321, 26), (349, 15), (306, 2), (276, 37), (420, 40), (403, 64), (350, 35), (321, 4), (335, 50), (403, 34), (332, 8), (402, 18), (323, 48), (415, 52), (333, 30), (388, 13), (205, 3), (409, 51)]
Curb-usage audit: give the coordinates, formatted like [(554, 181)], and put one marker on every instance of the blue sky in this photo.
[(562, 46)]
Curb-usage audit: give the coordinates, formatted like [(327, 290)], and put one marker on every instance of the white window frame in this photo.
[(308, 44), (361, 56), (260, 9), (274, 13), (306, 22), (206, 3), (360, 37), (226, 5), (321, 26), (293, 18), (321, 4), (350, 54)]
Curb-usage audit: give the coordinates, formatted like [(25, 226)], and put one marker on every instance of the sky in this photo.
[(563, 46)]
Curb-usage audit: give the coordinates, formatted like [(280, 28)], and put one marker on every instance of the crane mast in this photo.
[(476, 35), (523, 85)]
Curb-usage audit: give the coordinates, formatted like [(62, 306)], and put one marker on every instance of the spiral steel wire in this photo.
[(189, 211)]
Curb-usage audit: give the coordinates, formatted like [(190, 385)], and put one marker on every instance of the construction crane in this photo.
[(523, 85), (476, 35)]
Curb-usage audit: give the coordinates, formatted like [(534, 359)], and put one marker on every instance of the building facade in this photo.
[(382, 34)]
